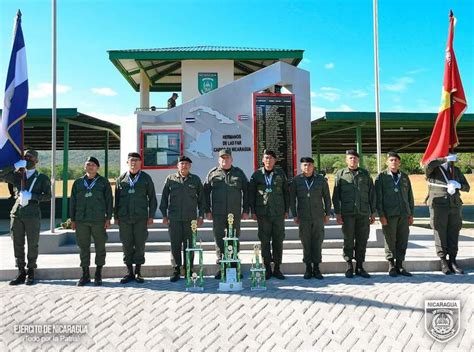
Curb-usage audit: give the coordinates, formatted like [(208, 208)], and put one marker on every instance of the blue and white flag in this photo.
[(15, 103)]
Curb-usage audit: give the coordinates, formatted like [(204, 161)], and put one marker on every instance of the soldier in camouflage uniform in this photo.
[(31, 188), (91, 208)]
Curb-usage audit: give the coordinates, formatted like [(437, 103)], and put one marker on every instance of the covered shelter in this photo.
[(400, 131)]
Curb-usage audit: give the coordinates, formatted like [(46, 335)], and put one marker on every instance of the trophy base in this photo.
[(261, 288), (194, 289), (230, 286)]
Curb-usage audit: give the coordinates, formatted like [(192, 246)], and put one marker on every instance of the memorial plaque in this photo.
[(274, 128)]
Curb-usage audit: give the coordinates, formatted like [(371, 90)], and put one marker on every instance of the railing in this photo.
[(152, 109)]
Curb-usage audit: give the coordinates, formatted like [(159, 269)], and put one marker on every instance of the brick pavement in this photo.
[(335, 314)]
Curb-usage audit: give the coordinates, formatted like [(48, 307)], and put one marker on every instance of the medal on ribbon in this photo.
[(133, 182), (89, 186)]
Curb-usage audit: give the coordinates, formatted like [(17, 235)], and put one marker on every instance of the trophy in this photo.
[(257, 272), (194, 281), (230, 263)]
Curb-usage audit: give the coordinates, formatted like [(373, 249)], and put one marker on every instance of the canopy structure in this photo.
[(162, 66), (402, 132)]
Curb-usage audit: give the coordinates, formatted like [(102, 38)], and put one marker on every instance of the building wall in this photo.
[(191, 68)]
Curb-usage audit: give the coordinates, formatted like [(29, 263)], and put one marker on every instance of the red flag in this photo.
[(444, 136)]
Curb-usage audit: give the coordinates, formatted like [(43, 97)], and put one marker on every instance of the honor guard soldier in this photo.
[(445, 181), (182, 200), (135, 206), (31, 188), (311, 206), (354, 202), (395, 206), (225, 192), (269, 203), (91, 207)]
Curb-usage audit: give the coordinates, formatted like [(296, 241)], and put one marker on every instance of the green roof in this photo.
[(163, 65)]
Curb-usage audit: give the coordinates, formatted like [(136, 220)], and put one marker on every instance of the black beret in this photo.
[(134, 155), (269, 152), (393, 154), (352, 152), (307, 159), (93, 160), (184, 158), (31, 152)]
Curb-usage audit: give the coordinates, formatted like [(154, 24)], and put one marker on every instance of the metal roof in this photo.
[(163, 65), (400, 131), (85, 132)]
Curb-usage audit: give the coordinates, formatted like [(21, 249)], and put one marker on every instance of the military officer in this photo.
[(135, 206), (91, 208), (31, 188), (269, 203), (445, 181), (225, 192), (355, 205), (311, 206), (182, 200), (395, 206)]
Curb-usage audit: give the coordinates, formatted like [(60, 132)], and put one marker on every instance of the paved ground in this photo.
[(335, 314)]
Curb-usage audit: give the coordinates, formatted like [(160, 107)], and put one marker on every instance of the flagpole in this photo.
[(22, 170), (377, 95), (53, 124)]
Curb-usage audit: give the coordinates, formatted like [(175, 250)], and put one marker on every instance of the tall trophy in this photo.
[(194, 280), (230, 263), (257, 272)]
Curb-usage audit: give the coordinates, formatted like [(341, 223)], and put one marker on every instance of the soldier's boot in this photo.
[(445, 266), (401, 270), (30, 276), (360, 271), (130, 276), (268, 271), (317, 273), (85, 278), (21, 277), (138, 274), (309, 271), (176, 274), (98, 276), (392, 270), (350, 270), (277, 272), (454, 265)]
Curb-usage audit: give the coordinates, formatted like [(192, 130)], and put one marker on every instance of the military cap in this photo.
[(93, 160), (269, 152), (393, 154), (31, 152), (134, 155), (352, 152), (307, 159), (184, 158), (225, 152)]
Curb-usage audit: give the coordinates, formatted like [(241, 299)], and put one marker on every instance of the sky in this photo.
[(336, 36)]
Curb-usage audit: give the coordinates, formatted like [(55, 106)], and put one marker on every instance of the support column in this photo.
[(106, 157), (64, 210), (359, 145), (318, 152), (144, 90)]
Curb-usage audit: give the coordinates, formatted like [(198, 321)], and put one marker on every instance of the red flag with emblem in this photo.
[(453, 104)]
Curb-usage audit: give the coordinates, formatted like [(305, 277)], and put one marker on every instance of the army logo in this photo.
[(207, 82), (442, 319)]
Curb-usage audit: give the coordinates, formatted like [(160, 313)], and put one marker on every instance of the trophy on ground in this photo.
[(230, 263), (257, 272), (194, 280)]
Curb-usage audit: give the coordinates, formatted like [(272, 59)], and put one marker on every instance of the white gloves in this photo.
[(452, 186), (451, 157), (455, 183), (19, 164), (25, 197)]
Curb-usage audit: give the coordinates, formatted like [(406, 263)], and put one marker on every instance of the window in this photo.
[(160, 149)]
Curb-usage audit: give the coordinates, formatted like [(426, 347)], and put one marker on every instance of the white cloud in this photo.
[(344, 107), (327, 93), (329, 66), (306, 60), (317, 112), (109, 92), (416, 71), (399, 84), (114, 118), (396, 99), (358, 93), (45, 89), (313, 94)]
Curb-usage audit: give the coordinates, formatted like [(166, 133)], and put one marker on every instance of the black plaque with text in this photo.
[(274, 129)]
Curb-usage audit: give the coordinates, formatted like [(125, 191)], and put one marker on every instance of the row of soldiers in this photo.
[(268, 197)]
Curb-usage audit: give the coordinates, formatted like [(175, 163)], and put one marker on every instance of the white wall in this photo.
[(191, 68)]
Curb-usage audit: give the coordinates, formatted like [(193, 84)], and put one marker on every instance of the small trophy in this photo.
[(257, 272), (194, 281), (230, 263)]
